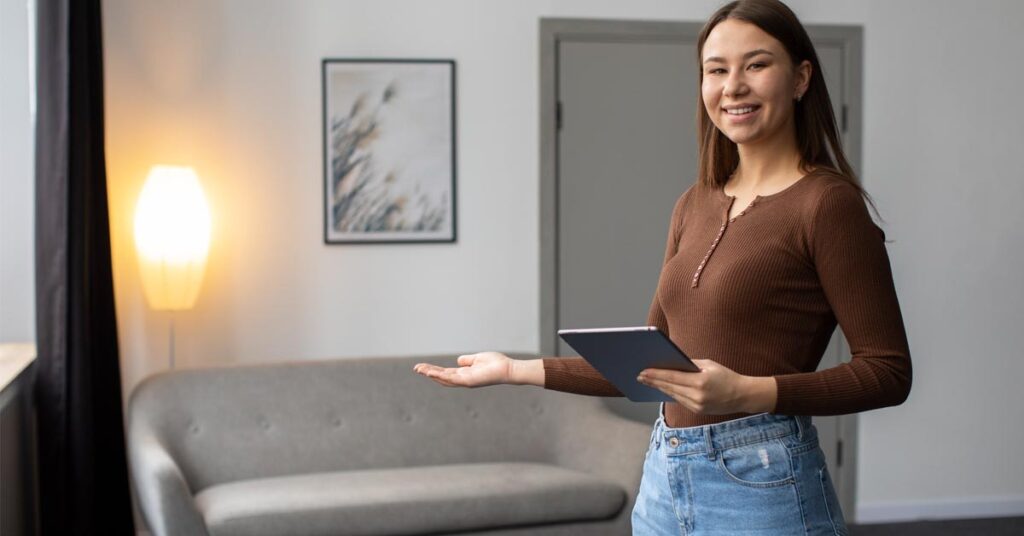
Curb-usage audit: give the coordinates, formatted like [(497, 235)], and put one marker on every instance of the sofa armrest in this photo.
[(164, 496), (604, 443)]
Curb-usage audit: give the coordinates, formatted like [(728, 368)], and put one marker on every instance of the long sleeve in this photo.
[(575, 374), (656, 315), (850, 257)]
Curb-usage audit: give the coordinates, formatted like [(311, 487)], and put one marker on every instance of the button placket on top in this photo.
[(714, 243)]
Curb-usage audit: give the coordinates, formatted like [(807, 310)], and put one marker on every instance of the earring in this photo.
[(799, 96)]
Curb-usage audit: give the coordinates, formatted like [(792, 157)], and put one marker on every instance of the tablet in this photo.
[(619, 354)]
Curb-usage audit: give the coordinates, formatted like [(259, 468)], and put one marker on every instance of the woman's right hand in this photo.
[(475, 370)]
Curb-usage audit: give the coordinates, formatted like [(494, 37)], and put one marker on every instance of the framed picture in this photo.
[(389, 150)]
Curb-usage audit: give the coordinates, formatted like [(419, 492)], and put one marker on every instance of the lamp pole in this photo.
[(171, 352)]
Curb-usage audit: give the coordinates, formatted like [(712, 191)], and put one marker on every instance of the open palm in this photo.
[(475, 370)]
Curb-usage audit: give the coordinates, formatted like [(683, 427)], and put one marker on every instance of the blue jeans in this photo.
[(763, 474)]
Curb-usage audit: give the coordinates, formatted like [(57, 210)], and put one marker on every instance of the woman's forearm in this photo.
[(527, 372)]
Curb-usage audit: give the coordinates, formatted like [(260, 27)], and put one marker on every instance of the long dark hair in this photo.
[(815, 121)]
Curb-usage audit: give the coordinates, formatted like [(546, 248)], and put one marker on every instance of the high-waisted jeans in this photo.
[(764, 474)]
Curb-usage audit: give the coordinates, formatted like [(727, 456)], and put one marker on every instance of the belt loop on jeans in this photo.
[(707, 439), (799, 427)]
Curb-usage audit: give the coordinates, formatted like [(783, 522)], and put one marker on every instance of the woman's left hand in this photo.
[(715, 390)]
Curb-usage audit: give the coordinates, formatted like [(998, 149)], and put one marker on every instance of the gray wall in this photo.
[(233, 88), (17, 303)]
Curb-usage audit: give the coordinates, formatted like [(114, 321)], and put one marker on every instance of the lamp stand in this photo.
[(171, 349)]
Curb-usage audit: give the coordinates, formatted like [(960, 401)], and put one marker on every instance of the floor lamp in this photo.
[(172, 239)]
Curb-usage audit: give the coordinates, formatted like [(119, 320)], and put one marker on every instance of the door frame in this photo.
[(553, 31)]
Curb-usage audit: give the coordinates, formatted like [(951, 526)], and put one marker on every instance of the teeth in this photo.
[(740, 111)]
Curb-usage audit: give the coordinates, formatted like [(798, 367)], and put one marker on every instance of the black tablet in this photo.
[(619, 354)]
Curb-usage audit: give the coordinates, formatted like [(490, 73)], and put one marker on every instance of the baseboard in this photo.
[(940, 509)]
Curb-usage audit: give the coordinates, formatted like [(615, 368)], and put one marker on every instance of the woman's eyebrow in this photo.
[(750, 54)]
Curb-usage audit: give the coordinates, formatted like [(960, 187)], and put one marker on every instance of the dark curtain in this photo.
[(83, 476)]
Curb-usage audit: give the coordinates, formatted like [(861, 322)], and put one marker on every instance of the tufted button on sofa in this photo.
[(368, 447)]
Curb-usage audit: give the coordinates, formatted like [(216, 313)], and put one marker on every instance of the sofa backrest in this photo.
[(233, 423)]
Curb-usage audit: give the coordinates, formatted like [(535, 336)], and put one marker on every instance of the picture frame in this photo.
[(389, 150)]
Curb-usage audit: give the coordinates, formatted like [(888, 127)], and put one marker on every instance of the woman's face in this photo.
[(745, 67)]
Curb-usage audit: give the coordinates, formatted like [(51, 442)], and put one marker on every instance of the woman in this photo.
[(766, 253)]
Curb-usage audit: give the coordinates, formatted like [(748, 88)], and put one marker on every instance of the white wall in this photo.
[(233, 89), (17, 164)]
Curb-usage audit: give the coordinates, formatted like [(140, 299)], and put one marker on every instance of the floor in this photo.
[(1002, 526)]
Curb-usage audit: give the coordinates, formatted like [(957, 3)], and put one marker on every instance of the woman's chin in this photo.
[(740, 138), (743, 136)]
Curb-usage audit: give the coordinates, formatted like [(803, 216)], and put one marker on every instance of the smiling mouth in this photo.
[(742, 111), (740, 114)]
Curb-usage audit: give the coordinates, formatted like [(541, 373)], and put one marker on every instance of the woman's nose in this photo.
[(734, 85)]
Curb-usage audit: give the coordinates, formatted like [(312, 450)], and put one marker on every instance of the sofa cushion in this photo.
[(408, 500)]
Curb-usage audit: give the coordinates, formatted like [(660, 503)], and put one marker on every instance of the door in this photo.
[(627, 150), (618, 147)]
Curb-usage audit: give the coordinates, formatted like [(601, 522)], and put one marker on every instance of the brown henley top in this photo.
[(762, 293)]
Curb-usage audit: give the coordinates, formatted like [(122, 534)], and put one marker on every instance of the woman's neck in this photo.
[(767, 162)]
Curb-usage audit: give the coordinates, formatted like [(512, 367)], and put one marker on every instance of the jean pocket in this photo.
[(764, 464)]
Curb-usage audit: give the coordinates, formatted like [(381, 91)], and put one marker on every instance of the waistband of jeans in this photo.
[(732, 433)]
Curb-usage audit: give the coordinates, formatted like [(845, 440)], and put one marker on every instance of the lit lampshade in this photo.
[(172, 237)]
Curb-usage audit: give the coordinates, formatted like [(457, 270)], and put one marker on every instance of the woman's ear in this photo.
[(803, 77)]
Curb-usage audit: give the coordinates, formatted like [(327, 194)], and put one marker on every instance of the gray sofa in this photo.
[(368, 447)]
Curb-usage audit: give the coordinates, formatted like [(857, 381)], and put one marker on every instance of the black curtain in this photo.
[(83, 474)]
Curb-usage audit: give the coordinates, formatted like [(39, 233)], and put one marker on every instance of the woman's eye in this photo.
[(758, 65)]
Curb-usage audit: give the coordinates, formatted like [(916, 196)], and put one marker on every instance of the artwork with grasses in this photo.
[(389, 150)]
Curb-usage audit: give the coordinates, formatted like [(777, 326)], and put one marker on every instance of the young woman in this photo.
[(766, 253)]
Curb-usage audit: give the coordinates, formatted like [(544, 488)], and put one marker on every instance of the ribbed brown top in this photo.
[(762, 294)]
